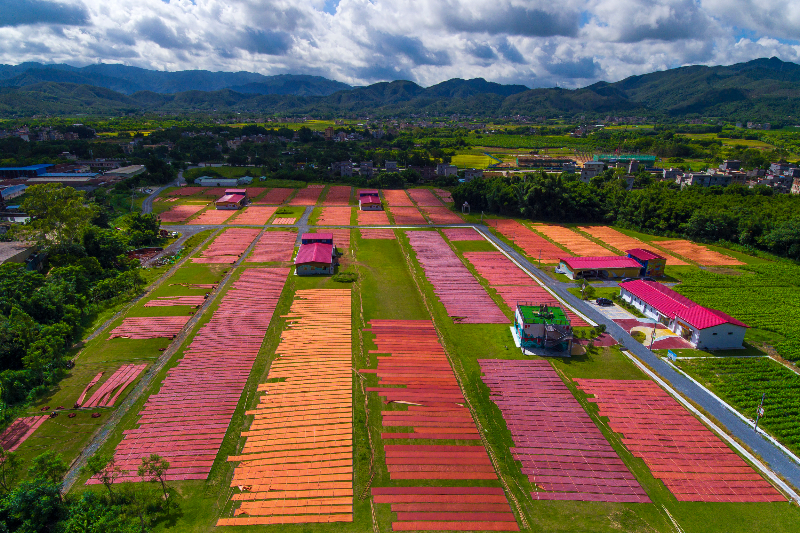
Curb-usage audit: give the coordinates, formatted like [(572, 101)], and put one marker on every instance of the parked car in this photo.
[(648, 278), (604, 302)]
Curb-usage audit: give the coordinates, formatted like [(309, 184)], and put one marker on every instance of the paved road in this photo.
[(779, 462), (147, 205)]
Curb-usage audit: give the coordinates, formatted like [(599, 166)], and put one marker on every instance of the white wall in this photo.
[(722, 337)]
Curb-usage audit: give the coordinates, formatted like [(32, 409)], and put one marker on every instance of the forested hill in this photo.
[(763, 90)]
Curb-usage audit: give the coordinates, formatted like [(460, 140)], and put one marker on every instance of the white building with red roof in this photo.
[(607, 267), (704, 328), (369, 200)]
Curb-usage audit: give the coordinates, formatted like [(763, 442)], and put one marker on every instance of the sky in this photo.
[(537, 43)]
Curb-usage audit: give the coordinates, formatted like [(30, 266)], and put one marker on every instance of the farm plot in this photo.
[(442, 215), (531, 243), (572, 241), (254, 215), (417, 375), (186, 191), (699, 254), (179, 213), (560, 448), (372, 218), (19, 431), (694, 464), (741, 382), (462, 234), (513, 284), (396, 198), (228, 247), (424, 197), (296, 465), (337, 195), (169, 301), (368, 233), (623, 242), (465, 300), (335, 216), (284, 221), (212, 217), (273, 246), (106, 395), (149, 327), (307, 196), (407, 216), (185, 422), (446, 196), (275, 196)]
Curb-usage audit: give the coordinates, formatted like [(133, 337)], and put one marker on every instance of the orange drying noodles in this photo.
[(296, 465)]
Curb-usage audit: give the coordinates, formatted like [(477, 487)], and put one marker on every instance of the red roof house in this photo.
[(705, 328)]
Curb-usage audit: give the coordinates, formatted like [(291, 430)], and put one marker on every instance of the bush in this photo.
[(345, 277)]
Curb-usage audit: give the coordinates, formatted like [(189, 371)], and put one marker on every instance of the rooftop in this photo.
[(599, 263), (316, 252), (10, 249), (542, 314), (645, 255), (672, 304), (317, 236), (231, 198)]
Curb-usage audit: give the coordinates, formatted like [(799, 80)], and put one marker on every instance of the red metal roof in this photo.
[(601, 263), (318, 236), (370, 200), (236, 198), (672, 304), (316, 252), (663, 299), (645, 255), (702, 317)]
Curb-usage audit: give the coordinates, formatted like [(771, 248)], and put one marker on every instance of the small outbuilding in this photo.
[(704, 328), (369, 200), (653, 265), (611, 267), (317, 254), (231, 201)]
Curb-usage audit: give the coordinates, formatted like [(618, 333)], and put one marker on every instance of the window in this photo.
[(715, 333), (730, 333)]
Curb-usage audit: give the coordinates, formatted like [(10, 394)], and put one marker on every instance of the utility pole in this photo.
[(760, 412)]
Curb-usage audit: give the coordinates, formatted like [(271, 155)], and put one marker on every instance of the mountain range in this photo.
[(762, 89)]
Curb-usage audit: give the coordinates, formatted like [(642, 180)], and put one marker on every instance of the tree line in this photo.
[(83, 267), (754, 218)]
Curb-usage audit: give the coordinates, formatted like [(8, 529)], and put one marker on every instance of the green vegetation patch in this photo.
[(742, 381)]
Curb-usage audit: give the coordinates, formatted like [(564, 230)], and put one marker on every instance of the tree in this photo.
[(58, 214), (154, 469), (34, 506), (49, 466), (104, 468), (9, 469)]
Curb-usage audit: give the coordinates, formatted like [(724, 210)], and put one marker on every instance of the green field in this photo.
[(742, 381), (472, 161)]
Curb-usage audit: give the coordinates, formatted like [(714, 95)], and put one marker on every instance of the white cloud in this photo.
[(535, 42)]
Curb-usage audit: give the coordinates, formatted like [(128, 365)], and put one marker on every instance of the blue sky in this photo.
[(538, 43)]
